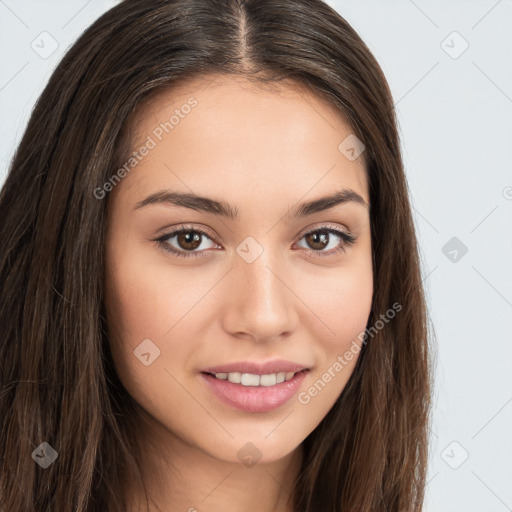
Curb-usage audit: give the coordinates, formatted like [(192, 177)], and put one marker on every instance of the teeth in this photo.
[(250, 379), (267, 380), (234, 377)]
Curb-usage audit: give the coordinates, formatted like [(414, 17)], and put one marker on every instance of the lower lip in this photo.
[(255, 398)]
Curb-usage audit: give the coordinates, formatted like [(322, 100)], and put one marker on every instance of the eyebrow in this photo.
[(208, 205)]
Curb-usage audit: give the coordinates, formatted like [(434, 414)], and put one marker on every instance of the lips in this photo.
[(253, 399), (257, 368)]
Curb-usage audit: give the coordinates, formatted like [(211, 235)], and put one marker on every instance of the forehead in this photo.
[(218, 131)]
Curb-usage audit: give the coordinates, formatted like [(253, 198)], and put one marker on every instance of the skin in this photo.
[(263, 152)]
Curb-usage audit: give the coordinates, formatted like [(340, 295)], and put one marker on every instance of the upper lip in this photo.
[(257, 368)]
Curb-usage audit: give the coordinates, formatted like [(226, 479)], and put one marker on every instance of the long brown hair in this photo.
[(57, 383)]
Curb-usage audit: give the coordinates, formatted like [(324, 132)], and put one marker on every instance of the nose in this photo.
[(261, 304)]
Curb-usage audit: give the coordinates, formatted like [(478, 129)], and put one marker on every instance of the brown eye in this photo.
[(184, 242), (189, 240), (318, 239)]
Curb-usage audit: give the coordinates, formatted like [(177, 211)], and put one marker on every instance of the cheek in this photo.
[(340, 305), (339, 301), (346, 306), (137, 305), (143, 312), (147, 300)]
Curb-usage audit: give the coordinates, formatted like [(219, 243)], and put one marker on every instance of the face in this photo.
[(254, 280)]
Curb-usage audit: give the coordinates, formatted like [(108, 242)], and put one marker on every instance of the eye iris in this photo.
[(315, 237), (185, 238)]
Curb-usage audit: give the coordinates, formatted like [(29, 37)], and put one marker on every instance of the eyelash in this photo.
[(348, 240)]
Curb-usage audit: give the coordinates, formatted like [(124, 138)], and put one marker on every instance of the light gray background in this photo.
[(455, 116)]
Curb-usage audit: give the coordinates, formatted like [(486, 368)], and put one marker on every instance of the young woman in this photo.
[(211, 293)]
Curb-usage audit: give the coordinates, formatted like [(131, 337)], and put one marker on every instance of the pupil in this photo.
[(319, 238), (189, 237)]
